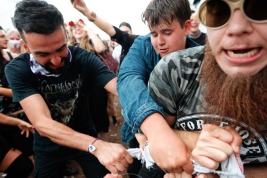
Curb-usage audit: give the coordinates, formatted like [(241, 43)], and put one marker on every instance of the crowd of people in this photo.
[(193, 97)]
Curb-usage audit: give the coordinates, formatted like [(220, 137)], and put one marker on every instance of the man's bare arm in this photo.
[(6, 92), (189, 138), (162, 139), (223, 141), (99, 22), (111, 86), (39, 115), (97, 42), (113, 156), (24, 126)]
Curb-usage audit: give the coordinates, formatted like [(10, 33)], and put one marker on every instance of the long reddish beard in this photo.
[(241, 97)]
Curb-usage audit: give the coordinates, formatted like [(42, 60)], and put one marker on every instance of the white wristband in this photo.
[(91, 147)]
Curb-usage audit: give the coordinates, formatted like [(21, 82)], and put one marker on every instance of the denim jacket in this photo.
[(136, 102)]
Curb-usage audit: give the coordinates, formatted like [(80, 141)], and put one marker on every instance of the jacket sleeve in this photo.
[(134, 97)]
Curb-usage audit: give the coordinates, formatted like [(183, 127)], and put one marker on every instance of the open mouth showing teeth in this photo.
[(243, 53)]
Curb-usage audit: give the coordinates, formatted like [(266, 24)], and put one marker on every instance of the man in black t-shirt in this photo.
[(52, 83)]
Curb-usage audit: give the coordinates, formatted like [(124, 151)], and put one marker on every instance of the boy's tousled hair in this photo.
[(37, 16), (159, 11)]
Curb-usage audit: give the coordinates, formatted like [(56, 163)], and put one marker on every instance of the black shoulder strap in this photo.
[(10, 56)]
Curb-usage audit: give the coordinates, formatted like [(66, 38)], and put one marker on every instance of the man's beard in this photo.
[(241, 97), (59, 70)]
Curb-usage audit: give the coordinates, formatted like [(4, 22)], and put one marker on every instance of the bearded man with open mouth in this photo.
[(218, 92)]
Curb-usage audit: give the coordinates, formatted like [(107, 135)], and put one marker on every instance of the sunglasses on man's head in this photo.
[(217, 13)]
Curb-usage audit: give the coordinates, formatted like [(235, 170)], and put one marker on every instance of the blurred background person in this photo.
[(14, 45), (83, 36), (6, 55), (118, 52), (66, 26), (13, 161), (195, 34), (126, 27), (16, 152), (110, 45), (111, 108), (122, 35)]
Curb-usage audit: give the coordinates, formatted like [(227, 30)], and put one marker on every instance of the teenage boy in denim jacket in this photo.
[(169, 23)]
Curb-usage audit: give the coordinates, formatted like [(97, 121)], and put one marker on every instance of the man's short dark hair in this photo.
[(1, 28), (166, 11), (37, 16), (126, 25)]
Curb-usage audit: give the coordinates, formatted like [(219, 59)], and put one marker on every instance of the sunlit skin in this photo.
[(194, 25), (78, 31), (3, 40), (240, 47), (167, 38), (14, 36), (48, 50)]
